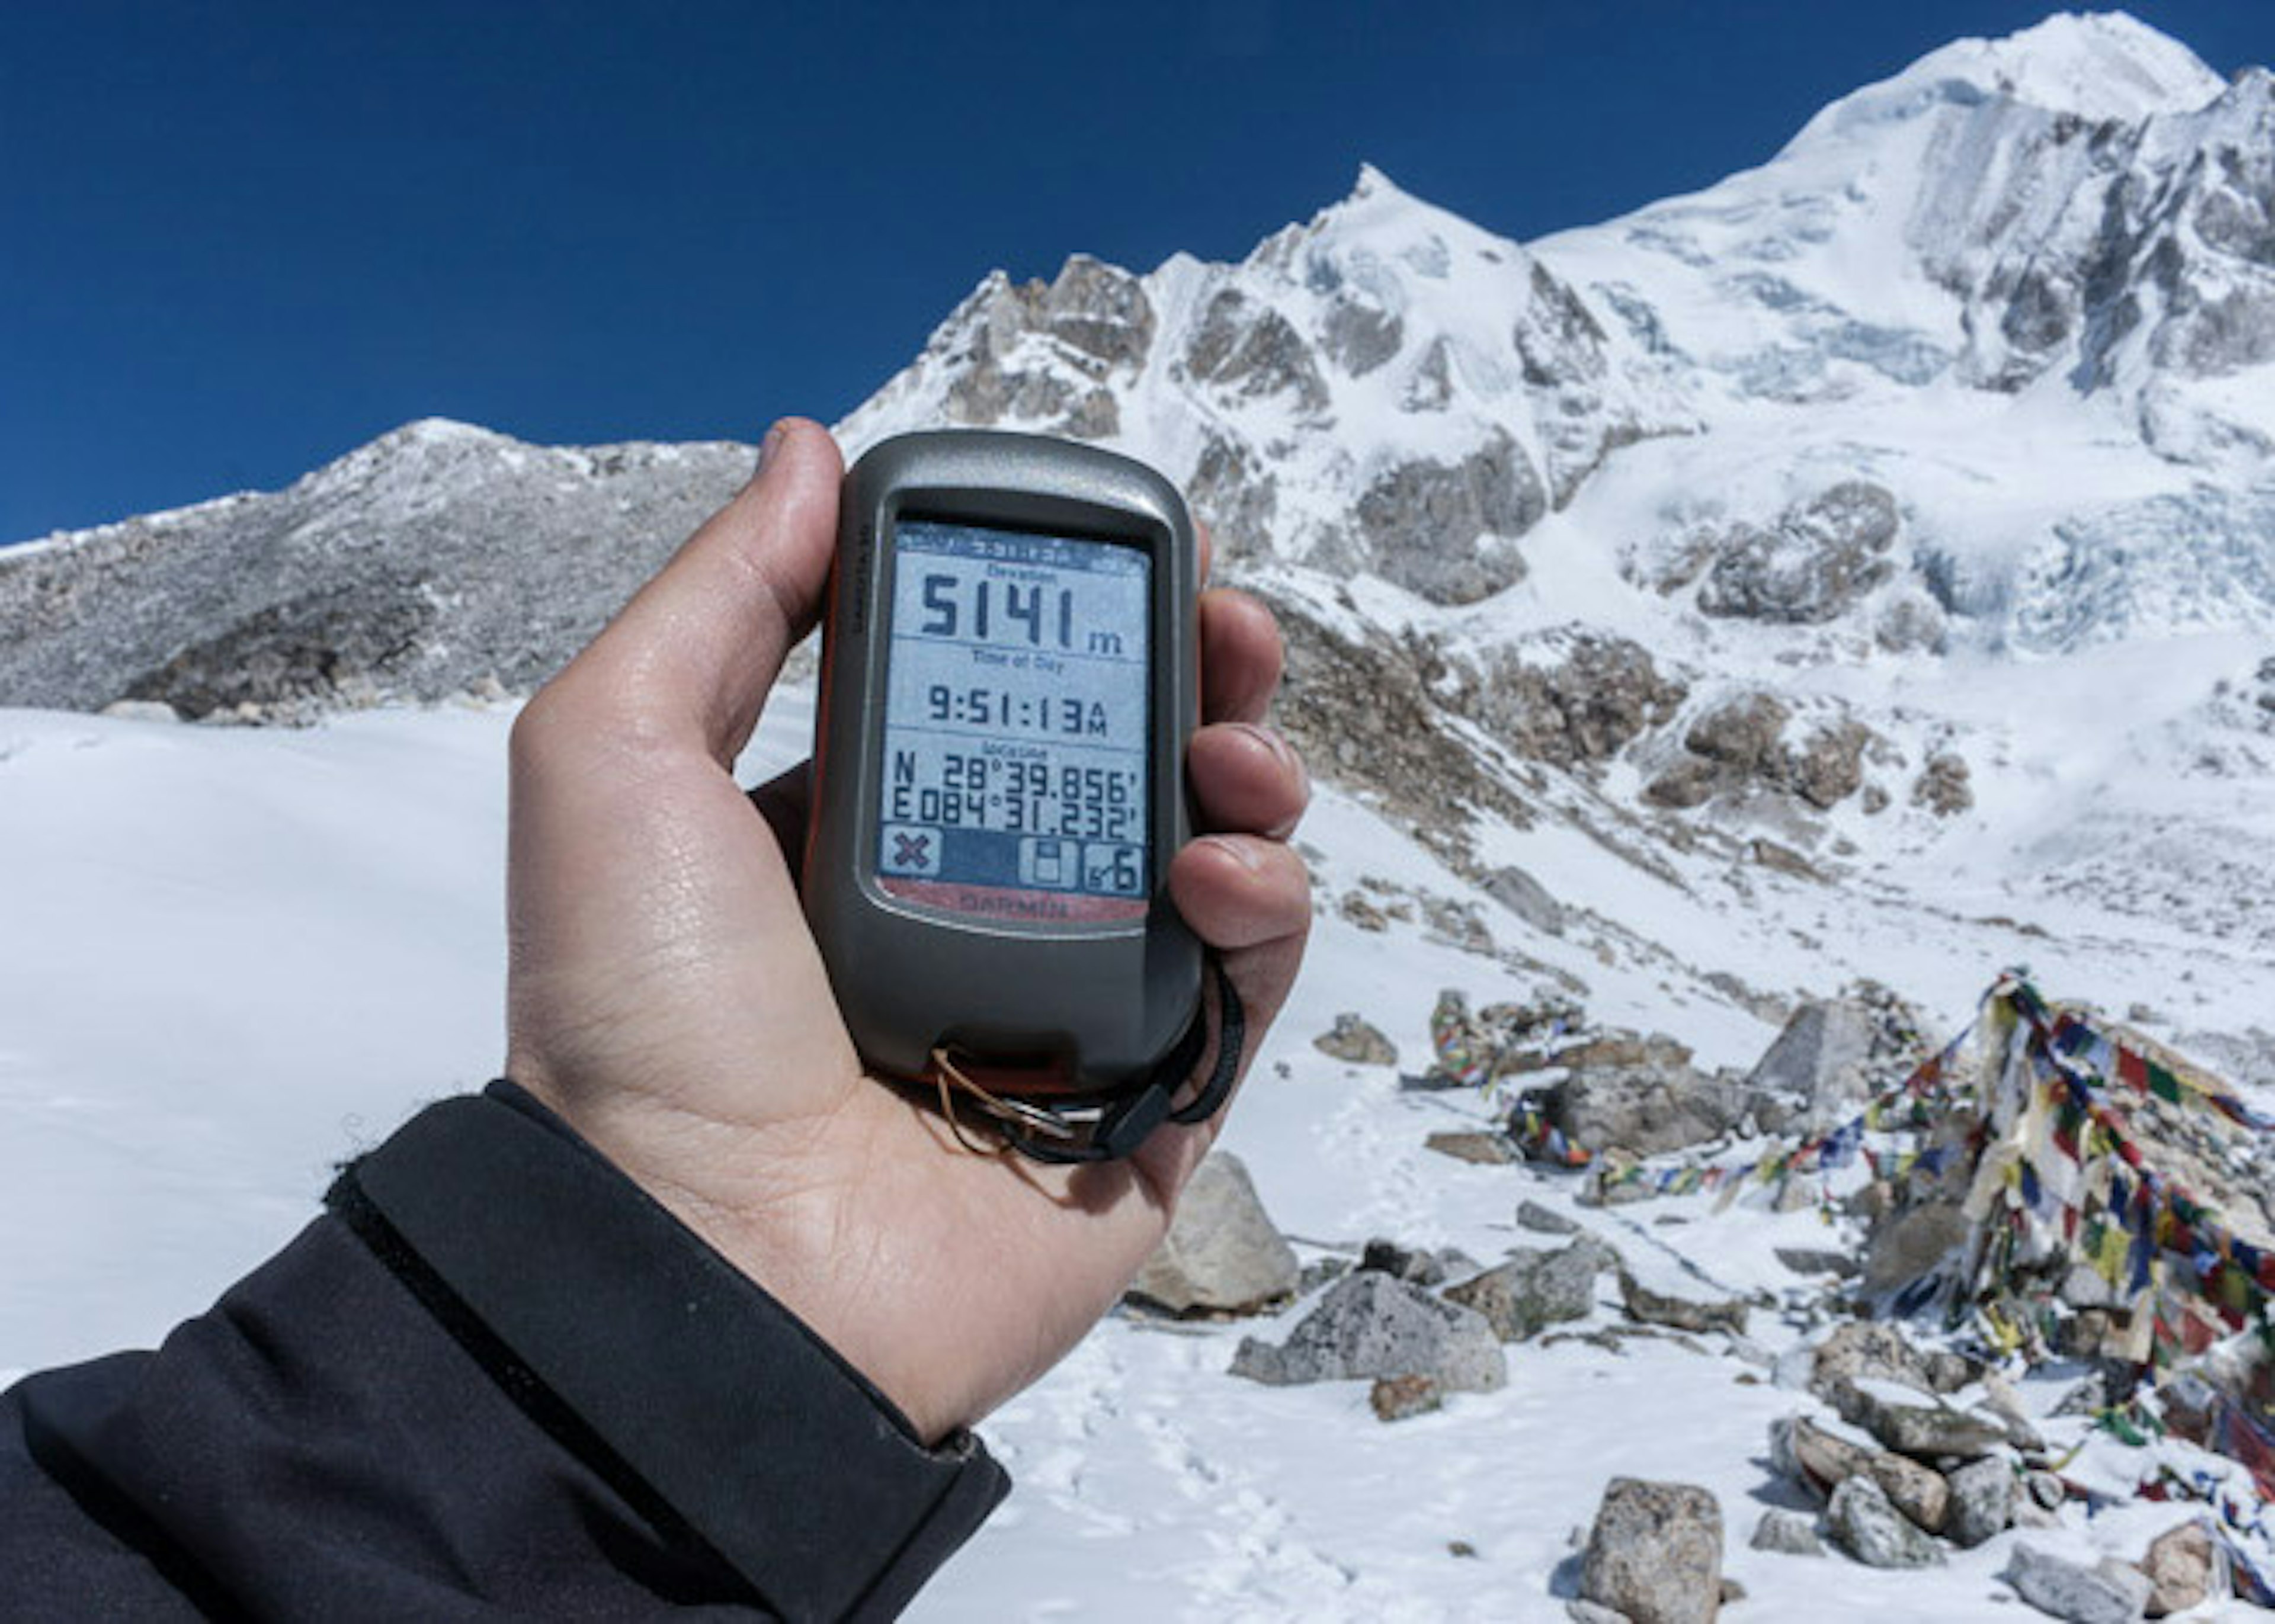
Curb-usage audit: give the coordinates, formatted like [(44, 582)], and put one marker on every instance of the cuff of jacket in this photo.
[(653, 1351)]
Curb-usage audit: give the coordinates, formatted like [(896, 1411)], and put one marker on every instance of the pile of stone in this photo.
[(1952, 1460)]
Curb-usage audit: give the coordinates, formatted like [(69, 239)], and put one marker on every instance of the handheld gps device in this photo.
[(1010, 679)]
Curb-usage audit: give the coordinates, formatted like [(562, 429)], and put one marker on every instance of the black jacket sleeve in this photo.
[(494, 1380)]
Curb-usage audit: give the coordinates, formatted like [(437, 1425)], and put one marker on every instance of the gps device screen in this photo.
[(1016, 723), (1010, 677)]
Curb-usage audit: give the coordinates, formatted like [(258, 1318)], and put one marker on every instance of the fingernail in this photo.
[(773, 443)]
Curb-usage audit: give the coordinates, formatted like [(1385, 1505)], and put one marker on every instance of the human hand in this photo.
[(665, 998)]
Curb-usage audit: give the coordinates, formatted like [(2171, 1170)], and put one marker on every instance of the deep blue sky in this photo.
[(237, 240)]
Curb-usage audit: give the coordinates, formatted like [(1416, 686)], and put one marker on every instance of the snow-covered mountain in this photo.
[(1900, 514)]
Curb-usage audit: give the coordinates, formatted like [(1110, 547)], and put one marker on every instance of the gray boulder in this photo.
[(1877, 1350), (1790, 1533), (1639, 1094), (1534, 1289), (1925, 1431), (1222, 1253), (1654, 1308), (1819, 1065), (2109, 1593), (1544, 1220), (1982, 1500), (1372, 1324), (1443, 530), (1869, 1528), (1655, 1552)]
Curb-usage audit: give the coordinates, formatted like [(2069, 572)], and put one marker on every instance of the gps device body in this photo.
[(1010, 679)]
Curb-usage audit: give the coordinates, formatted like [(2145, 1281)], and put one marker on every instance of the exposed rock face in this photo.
[(435, 558), (1534, 1289), (1250, 351), (1364, 711), (1641, 1095), (1655, 1552), (2110, 1593), (1873, 1531), (1817, 558), (1222, 1253), (320, 646), (1600, 697), (1443, 529), (1943, 788), (1038, 356), (1237, 496), (1370, 1323), (1741, 744)]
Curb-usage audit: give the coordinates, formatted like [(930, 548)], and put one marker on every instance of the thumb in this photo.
[(697, 649)]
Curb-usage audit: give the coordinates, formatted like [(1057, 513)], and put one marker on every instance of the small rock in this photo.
[(1732, 1591), (1222, 1253), (1782, 859), (1788, 1533), (1487, 1149), (2045, 1490), (1655, 1552), (1534, 1289), (2111, 1593), (1321, 1271), (141, 710), (1680, 1313), (1369, 1324), (1817, 1260), (1869, 1528), (1395, 1398), (1544, 1220), (1460, 1547), (1982, 1500), (2186, 1568), (1527, 898), (1356, 1043), (1403, 1263)]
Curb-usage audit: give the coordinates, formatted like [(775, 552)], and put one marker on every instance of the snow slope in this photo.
[(234, 957)]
